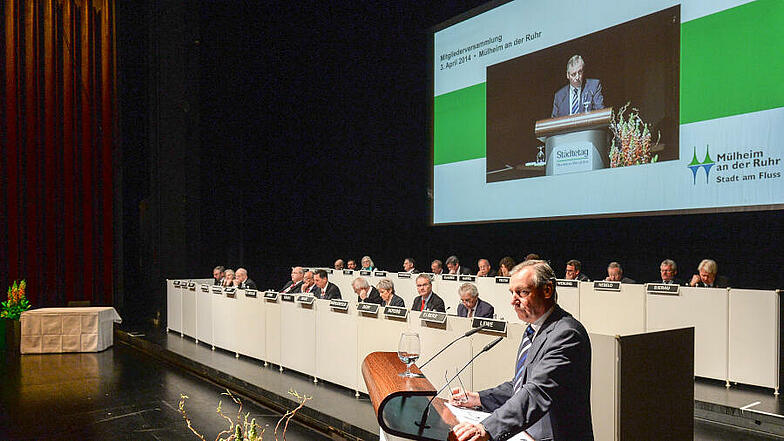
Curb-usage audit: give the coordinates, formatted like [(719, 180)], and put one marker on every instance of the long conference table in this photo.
[(736, 332)]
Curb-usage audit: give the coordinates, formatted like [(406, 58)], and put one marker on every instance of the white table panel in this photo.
[(252, 318), (272, 338), (337, 345), (298, 337), (496, 366), (498, 295), (607, 312), (225, 325), (173, 307), (376, 334), (754, 337), (569, 299), (405, 288), (188, 312), (204, 315), (432, 338)]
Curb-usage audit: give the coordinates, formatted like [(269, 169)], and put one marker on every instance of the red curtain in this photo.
[(58, 140)]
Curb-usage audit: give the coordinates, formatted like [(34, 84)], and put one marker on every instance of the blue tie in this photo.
[(575, 102), (522, 354)]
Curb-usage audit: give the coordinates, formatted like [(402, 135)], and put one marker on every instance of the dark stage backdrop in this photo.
[(270, 134)]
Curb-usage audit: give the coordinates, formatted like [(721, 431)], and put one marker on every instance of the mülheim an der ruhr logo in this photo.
[(695, 165)]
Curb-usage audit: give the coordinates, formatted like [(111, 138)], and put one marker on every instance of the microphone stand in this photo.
[(468, 333)]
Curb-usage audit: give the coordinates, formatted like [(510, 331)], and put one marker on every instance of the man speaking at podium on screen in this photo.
[(578, 96), (549, 395)]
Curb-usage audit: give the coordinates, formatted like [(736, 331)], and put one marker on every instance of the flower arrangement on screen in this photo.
[(631, 144), (240, 429), (16, 303)]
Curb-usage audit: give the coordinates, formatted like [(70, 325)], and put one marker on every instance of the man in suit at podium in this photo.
[(409, 265), (578, 96), (427, 300), (470, 303), (549, 394), (324, 288), (308, 284), (365, 292)]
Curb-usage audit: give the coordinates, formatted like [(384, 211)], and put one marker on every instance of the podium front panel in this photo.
[(432, 339), (608, 312), (376, 333), (224, 321), (754, 337)]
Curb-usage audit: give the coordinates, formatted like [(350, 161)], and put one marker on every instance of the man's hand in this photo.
[(461, 398), (695, 279), (470, 432)]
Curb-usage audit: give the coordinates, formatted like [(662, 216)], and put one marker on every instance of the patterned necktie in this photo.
[(470, 312), (575, 102), (525, 346)]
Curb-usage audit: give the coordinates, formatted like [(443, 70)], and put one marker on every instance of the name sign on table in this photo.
[(348, 272), (205, 288), (381, 274), (217, 290), (494, 326), (271, 295), (368, 308), (288, 297), (433, 317), (230, 292), (403, 275), (305, 299), (192, 286), (669, 289), (339, 305), (467, 278), (251, 293), (176, 283), (365, 273), (450, 277), (606, 285), (502, 280), (395, 311), (566, 283)]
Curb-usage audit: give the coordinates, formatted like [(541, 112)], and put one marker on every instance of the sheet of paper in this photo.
[(475, 416)]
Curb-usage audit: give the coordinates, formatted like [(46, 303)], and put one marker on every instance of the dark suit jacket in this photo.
[(396, 300), (719, 282), (483, 309), (675, 281), (462, 270), (582, 277), (433, 304), (492, 273), (591, 94), (373, 297), (289, 288), (312, 288), (247, 284), (627, 280), (218, 282), (331, 291), (555, 399)]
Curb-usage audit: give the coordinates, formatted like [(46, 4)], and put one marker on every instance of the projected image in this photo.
[(608, 99)]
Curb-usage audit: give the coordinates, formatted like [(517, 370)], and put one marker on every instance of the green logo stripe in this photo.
[(732, 62), (459, 125)]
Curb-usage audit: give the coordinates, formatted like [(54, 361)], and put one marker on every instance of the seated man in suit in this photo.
[(549, 396), (669, 270), (470, 303), (388, 297), (437, 267), (228, 278), (217, 274), (427, 300), (577, 96), (485, 270), (453, 265), (365, 292), (339, 265), (615, 273), (243, 282), (351, 264), (707, 276), (324, 288), (573, 271), (409, 265), (308, 284), (293, 285)]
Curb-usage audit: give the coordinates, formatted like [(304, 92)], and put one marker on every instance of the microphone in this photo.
[(468, 333), (422, 423)]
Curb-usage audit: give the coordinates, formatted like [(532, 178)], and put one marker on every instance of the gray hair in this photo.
[(298, 269), (424, 276), (364, 258), (543, 273), (669, 262), (220, 268), (574, 61), (386, 285), (360, 282), (615, 265), (708, 265), (468, 288), (452, 260), (229, 271)]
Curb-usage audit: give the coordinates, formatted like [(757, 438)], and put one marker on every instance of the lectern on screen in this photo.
[(400, 402), (575, 143)]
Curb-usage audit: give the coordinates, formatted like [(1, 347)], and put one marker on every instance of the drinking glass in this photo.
[(408, 352)]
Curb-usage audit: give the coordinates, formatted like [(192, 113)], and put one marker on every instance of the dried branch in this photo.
[(288, 415), (181, 408)]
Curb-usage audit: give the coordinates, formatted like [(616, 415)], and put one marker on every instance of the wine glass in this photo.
[(408, 352)]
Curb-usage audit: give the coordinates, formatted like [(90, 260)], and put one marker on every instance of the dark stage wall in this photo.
[(264, 134)]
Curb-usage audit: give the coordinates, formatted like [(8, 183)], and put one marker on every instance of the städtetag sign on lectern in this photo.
[(575, 143), (400, 402)]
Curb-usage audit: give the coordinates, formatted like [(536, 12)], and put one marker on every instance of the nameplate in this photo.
[(217, 290), (606, 285), (403, 275), (251, 293), (502, 280), (369, 308), (271, 295), (669, 289), (494, 326), (230, 292), (340, 305), (467, 278), (348, 272), (433, 317), (395, 311), (176, 283), (305, 299), (365, 273), (288, 297), (451, 277), (381, 274), (192, 286), (567, 283), (205, 288)]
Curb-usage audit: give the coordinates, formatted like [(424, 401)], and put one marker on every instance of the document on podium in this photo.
[(475, 416)]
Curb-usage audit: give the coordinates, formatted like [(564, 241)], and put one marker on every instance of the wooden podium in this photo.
[(575, 143), (399, 402)]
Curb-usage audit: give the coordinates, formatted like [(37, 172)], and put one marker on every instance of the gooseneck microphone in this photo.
[(422, 424), (468, 333)]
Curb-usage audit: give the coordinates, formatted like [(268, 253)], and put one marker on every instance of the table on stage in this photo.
[(53, 330)]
